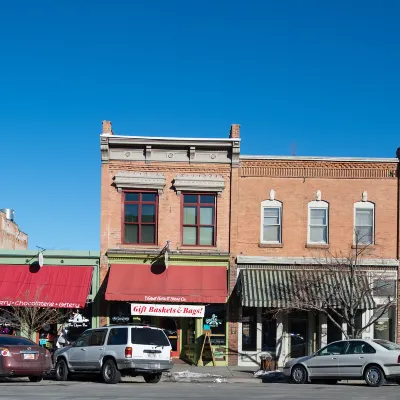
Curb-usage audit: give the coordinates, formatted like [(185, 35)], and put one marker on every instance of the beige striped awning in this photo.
[(284, 288)]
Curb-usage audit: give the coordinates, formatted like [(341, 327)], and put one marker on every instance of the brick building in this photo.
[(11, 237), (291, 211), (165, 212), (190, 224)]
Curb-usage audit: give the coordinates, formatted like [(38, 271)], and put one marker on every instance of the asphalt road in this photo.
[(180, 391)]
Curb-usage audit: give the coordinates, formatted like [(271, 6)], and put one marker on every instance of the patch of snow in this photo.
[(269, 375), (189, 376)]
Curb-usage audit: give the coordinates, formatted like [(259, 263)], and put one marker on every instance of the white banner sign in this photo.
[(168, 310)]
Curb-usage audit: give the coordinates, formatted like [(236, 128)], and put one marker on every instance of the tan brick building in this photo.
[(165, 214), (292, 211), (11, 237)]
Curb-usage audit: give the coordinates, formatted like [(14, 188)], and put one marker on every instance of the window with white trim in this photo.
[(318, 222), (271, 222), (364, 221)]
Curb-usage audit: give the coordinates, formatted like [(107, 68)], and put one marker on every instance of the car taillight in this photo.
[(128, 352), (5, 352)]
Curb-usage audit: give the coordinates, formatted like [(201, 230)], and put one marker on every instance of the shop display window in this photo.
[(215, 317), (249, 329)]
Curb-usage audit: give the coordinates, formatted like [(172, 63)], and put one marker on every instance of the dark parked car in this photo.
[(23, 358)]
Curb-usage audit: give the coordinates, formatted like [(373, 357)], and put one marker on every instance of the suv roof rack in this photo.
[(132, 324)]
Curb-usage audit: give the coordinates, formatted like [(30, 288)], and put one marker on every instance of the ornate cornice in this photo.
[(199, 183), (105, 154), (139, 180), (318, 169)]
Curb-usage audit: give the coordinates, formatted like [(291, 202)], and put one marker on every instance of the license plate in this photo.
[(155, 366), (29, 356)]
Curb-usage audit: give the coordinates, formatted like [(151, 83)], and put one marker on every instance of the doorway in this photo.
[(298, 330), (171, 329)]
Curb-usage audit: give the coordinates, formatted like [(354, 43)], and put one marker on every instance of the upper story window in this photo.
[(199, 220), (271, 221), (140, 218), (364, 221), (318, 221)]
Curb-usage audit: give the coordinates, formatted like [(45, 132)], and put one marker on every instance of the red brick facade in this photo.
[(295, 182)]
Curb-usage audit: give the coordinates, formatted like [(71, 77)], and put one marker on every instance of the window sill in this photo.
[(317, 246), (141, 246), (270, 245), (182, 247), (363, 246)]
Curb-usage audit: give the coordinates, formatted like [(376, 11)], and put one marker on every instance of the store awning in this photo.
[(49, 286), (283, 288), (185, 284)]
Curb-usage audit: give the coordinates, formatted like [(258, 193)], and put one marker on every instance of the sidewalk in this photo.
[(193, 374)]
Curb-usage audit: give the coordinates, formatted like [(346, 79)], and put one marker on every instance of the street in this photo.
[(22, 390)]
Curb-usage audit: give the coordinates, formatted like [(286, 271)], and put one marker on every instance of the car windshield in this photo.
[(150, 336), (387, 345), (15, 341)]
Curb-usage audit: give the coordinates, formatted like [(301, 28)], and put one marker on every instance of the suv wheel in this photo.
[(152, 378), (110, 372), (62, 371)]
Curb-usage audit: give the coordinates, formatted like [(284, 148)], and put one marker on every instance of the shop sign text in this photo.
[(44, 304), (168, 310)]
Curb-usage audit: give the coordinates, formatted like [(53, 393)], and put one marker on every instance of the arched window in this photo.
[(271, 222), (364, 223), (318, 222)]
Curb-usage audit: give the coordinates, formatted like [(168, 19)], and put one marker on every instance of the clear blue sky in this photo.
[(322, 74)]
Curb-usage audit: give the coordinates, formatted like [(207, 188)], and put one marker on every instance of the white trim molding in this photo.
[(376, 262), (199, 183), (271, 204), (318, 205), (364, 205), (139, 180)]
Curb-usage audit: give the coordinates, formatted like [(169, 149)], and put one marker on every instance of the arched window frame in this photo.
[(364, 205), (313, 205), (271, 204)]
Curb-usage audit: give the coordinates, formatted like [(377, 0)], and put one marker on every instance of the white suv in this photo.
[(115, 351)]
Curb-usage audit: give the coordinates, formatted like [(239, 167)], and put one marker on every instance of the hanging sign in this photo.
[(167, 310)]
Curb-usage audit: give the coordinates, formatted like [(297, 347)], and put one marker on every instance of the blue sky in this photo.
[(321, 76)]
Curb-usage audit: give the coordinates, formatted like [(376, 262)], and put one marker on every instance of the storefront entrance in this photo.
[(298, 331), (171, 329)]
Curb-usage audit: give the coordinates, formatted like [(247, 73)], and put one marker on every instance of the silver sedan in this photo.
[(372, 360)]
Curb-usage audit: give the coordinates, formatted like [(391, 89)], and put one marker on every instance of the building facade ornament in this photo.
[(272, 194), (199, 183), (364, 196), (318, 195), (105, 154), (139, 180)]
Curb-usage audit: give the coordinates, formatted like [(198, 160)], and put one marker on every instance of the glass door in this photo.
[(171, 329), (298, 329)]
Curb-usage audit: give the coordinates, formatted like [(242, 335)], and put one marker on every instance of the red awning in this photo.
[(184, 284), (49, 286)]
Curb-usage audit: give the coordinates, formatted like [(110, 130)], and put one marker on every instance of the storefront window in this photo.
[(249, 329), (383, 328), (268, 333), (120, 313), (214, 317), (334, 332)]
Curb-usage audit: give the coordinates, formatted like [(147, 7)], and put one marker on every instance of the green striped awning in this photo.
[(286, 288)]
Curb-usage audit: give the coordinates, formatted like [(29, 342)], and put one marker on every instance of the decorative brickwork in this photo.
[(318, 169)]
